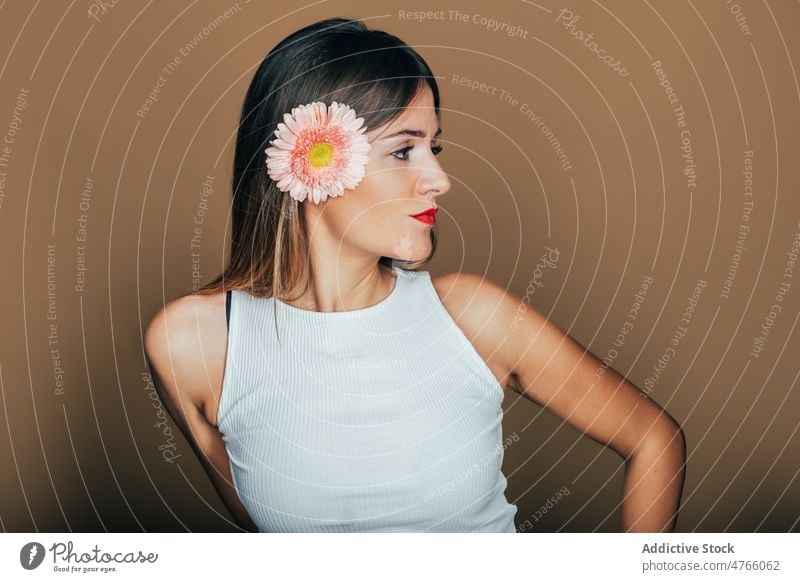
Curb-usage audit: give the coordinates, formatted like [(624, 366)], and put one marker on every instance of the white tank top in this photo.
[(383, 419)]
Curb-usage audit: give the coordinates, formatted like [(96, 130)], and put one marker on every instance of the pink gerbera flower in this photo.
[(319, 151)]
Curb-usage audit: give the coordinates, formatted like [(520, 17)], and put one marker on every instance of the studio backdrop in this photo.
[(628, 169)]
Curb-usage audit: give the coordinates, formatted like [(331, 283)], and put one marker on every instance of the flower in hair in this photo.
[(318, 151)]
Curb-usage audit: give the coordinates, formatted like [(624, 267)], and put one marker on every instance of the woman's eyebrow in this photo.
[(413, 133)]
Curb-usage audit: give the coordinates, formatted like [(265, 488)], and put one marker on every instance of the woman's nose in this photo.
[(435, 180)]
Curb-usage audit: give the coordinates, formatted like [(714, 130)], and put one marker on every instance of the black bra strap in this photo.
[(228, 309)]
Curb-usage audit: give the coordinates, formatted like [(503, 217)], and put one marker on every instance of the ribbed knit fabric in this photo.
[(383, 419)]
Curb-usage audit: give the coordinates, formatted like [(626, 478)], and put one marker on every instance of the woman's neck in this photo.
[(337, 287)]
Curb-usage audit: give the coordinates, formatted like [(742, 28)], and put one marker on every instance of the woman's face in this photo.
[(403, 177)]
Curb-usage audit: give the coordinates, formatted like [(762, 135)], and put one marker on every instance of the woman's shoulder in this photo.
[(184, 316), (474, 298), (502, 326), (483, 311), (186, 339)]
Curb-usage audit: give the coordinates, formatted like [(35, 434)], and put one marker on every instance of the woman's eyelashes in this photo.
[(404, 152)]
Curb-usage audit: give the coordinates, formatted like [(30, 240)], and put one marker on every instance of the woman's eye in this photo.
[(404, 151)]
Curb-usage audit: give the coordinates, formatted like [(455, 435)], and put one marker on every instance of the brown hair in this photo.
[(337, 59)]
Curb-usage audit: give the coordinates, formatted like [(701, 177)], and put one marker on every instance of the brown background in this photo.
[(89, 459)]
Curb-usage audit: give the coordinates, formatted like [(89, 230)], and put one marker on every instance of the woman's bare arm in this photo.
[(553, 370), (175, 353)]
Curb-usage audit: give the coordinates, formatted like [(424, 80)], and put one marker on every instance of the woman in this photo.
[(341, 387)]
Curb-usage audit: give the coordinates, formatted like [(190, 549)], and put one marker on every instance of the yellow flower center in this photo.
[(320, 154)]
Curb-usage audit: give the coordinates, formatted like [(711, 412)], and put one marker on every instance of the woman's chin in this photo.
[(411, 247)]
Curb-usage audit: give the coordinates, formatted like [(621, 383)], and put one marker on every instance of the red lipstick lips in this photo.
[(428, 217)]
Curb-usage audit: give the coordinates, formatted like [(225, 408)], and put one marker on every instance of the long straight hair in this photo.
[(337, 59)]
